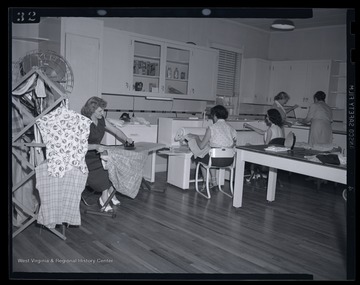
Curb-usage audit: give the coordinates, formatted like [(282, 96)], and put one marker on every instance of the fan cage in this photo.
[(56, 68)]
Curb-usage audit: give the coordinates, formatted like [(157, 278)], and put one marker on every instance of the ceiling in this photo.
[(321, 17)]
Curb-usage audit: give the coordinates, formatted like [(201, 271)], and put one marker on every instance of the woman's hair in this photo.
[(91, 105), (274, 116), (282, 95), (219, 111), (320, 95)]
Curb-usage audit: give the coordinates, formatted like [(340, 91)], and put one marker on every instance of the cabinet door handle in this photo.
[(193, 90), (162, 88), (127, 85)]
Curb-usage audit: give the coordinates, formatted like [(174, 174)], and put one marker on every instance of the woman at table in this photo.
[(320, 118), (98, 178), (280, 101), (274, 122)]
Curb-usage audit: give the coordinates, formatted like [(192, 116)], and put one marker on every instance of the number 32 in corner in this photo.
[(27, 17)]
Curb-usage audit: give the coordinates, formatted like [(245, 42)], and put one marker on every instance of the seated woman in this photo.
[(220, 134), (98, 178), (274, 122)]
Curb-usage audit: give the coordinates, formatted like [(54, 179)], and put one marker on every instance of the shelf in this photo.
[(339, 76), (173, 79), (178, 62), (34, 40), (147, 57), (146, 76)]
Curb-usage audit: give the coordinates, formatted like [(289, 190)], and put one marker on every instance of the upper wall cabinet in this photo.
[(318, 78), (145, 66), (289, 77), (255, 78), (79, 40), (116, 65), (203, 74), (300, 79)]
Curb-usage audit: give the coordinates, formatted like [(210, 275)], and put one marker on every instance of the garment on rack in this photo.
[(34, 94), (25, 193), (65, 134), (126, 169), (60, 196)]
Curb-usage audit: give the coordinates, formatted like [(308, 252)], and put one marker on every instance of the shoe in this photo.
[(107, 208), (115, 201)]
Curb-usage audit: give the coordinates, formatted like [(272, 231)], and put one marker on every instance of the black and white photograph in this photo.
[(181, 143)]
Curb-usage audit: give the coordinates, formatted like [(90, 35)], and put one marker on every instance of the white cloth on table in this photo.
[(59, 196)]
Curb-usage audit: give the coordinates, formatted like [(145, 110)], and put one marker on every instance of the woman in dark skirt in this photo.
[(98, 178)]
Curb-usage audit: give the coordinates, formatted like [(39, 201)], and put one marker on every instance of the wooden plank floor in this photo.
[(179, 234)]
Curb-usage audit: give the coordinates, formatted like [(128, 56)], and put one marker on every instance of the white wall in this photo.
[(308, 44), (200, 31), (19, 47)]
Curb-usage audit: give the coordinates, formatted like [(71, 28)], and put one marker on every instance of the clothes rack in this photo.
[(59, 96)]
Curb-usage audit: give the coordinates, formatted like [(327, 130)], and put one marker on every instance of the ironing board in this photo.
[(140, 147)]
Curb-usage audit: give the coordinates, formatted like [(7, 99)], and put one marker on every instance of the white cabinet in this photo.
[(318, 78), (297, 83), (203, 74), (280, 77), (300, 79), (255, 78), (116, 65), (290, 77), (79, 40)]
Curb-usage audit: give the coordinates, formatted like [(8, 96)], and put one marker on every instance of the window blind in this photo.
[(228, 81)]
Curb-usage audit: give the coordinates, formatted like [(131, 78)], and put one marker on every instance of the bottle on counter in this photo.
[(176, 73)]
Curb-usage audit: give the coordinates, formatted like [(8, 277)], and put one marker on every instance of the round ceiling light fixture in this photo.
[(283, 25)]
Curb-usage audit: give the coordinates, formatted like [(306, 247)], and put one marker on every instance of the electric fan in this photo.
[(53, 65)]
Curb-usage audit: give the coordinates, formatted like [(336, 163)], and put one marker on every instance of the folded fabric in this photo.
[(329, 158), (196, 150), (116, 123), (277, 148)]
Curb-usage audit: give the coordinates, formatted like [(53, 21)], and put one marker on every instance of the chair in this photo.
[(277, 141), (219, 158), (258, 172)]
